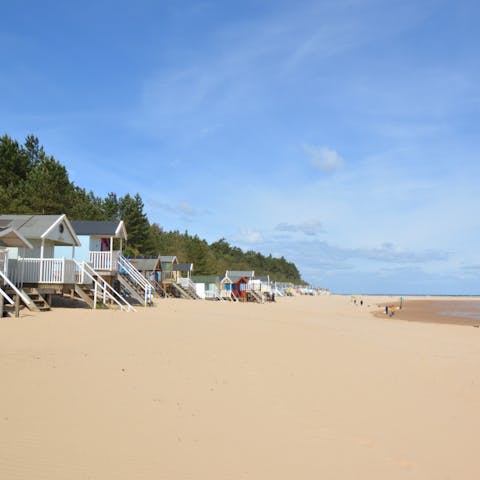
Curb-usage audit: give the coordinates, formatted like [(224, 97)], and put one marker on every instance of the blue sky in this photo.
[(343, 135)]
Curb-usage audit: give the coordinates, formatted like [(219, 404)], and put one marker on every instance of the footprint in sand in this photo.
[(365, 441), (402, 463)]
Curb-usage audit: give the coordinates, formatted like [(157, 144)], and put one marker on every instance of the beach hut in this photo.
[(9, 293), (239, 288), (207, 286), (101, 243), (167, 263), (176, 279), (183, 283), (226, 289), (32, 265), (183, 270), (100, 253), (260, 288), (234, 284), (151, 268), (240, 284)]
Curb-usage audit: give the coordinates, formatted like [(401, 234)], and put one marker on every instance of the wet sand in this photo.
[(308, 387), (447, 310)]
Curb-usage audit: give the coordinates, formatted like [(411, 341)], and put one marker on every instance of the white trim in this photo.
[(64, 218), (121, 231), (19, 236)]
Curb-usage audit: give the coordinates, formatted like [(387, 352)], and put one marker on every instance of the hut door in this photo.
[(105, 245)]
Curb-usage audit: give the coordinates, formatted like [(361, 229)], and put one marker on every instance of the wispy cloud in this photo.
[(324, 159), (308, 228), (248, 236), (183, 209)]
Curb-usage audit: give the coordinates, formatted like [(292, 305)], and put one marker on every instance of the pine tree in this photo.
[(136, 223)]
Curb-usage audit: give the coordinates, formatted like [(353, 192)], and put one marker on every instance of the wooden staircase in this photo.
[(95, 291), (31, 298), (137, 286), (21, 296), (178, 291), (159, 289), (133, 289), (39, 303), (253, 296), (87, 294)]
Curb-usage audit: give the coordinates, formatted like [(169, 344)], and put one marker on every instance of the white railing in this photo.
[(4, 261), (7, 298), (101, 288), (126, 267), (187, 283), (6, 281), (213, 294), (44, 270), (104, 260)]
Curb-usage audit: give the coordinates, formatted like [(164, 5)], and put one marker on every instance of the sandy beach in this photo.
[(308, 387)]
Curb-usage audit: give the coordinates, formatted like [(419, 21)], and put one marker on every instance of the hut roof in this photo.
[(145, 264), (262, 278), (38, 227), (182, 267), (168, 258), (9, 237), (235, 275), (110, 228), (205, 278)]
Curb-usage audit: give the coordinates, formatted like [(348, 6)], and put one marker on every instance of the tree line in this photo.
[(33, 182)]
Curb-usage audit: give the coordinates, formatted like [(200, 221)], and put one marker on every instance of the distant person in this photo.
[(386, 309), (273, 296), (392, 310), (361, 303)]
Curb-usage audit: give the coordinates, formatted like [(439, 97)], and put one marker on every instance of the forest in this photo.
[(34, 182)]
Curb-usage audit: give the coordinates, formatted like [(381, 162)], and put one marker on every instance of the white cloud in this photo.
[(324, 158), (183, 209), (248, 236), (308, 228)]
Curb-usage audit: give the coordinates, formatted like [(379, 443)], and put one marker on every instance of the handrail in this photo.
[(133, 272), (107, 287), (187, 282), (159, 288), (104, 286), (4, 260), (24, 298), (6, 297)]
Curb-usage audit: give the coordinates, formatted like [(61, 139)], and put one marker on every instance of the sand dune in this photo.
[(309, 387)]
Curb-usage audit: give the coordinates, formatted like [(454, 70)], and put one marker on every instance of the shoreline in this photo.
[(462, 311)]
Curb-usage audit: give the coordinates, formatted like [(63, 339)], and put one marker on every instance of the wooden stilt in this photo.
[(17, 306)]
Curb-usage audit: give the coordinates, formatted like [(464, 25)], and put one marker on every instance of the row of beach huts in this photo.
[(46, 256)]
